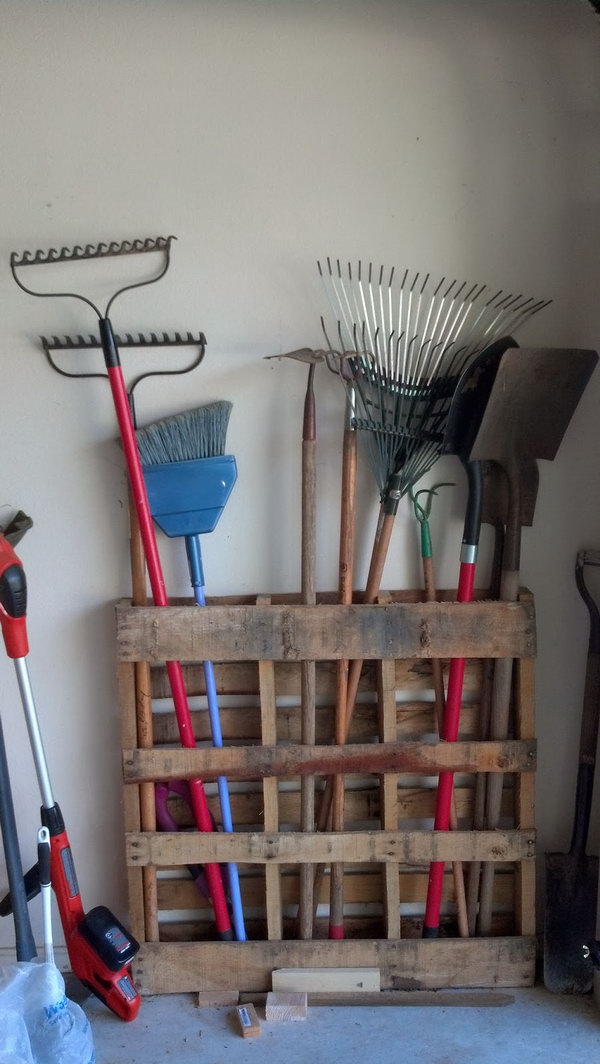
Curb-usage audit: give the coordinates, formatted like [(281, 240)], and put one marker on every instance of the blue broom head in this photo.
[(188, 498), (199, 433), (188, 477)]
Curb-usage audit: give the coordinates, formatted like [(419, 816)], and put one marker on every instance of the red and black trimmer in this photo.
[(100, 949), (110, 349)]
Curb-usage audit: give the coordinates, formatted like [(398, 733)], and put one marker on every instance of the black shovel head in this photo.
[(569, 922)]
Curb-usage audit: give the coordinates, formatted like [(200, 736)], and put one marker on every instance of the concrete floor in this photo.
[(537, 1027)]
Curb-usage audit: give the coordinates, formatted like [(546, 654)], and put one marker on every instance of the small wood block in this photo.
[(248, 1021), (282, 1007), (216, 998), (313, 980)]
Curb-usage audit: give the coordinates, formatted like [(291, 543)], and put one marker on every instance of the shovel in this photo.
[(572, 878), (465, 416), (534, 397)]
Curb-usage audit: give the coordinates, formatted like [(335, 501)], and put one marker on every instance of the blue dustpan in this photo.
[(188, 498)]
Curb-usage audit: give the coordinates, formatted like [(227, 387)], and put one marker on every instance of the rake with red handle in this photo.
[(138, 491)]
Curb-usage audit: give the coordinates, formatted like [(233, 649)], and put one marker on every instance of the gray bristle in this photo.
[(199, 433)]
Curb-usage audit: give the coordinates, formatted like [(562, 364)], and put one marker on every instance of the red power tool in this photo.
[(100, 949)]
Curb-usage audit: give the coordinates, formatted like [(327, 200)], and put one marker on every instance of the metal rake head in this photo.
[(128, 340), (411, 339), (79, 252)]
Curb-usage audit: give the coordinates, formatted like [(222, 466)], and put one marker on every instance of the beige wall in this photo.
[(457, 137)]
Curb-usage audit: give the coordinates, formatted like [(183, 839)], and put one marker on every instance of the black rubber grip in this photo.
[(109, 344), (53, 820), (44, 863), (13, 591)]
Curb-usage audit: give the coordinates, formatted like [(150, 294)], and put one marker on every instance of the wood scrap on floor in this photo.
[(282, 1007), (314, 980), (248, 1021)]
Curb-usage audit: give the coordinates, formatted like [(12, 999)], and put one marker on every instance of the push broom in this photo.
[(189, 479), (114, 373)]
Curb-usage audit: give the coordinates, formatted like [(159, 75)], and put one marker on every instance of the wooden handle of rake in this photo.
[(143, 712), (308, 668), (381, 545), (440, 702), (346, 574)]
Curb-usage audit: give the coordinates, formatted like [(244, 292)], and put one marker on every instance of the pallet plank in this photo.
[(410, 847), (241, 678), (268, 710), (413, 720), (252, 763), (169, 968), (298, 633), (360, 888)]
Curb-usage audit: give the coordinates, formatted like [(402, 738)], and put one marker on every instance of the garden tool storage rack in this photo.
[(258, 644)]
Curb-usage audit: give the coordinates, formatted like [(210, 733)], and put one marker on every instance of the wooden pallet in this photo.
[(390, 768)]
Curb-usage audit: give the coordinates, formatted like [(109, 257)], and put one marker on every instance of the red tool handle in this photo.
[(157, 584), (446, 779), (13, 602)]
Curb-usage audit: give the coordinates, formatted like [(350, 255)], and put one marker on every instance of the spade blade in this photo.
[(569, 922)]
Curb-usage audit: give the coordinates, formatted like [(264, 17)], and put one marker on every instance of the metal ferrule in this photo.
[(350, 408), (468, 553), (392, 494)]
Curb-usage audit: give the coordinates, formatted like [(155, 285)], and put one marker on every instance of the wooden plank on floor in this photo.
[(299, 633), (169, 968), (256, 762), (408, 847)]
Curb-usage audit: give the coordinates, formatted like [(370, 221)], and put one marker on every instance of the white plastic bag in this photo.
[(15, 1047), (56, 1030)]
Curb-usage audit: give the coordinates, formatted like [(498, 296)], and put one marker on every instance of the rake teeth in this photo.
[(81, 343), (91, 251)]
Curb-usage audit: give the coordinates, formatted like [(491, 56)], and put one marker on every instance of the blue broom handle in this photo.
[(192, 545)]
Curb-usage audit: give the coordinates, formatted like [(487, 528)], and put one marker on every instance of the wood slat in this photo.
[(360, 888), (525, 797), (131, 799), (298, 633), (356, 927), (409, 847), (386, 700), (413, 720), (414, 803), (407, 965), (241, 678), (253, 763), (268, 709)]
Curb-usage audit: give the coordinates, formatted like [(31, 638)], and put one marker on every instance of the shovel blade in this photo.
[(570, 921)]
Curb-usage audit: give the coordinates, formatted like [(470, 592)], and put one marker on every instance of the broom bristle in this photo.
[(199, 433)]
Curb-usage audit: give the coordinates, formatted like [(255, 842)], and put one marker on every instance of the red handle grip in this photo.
[(13, 602)]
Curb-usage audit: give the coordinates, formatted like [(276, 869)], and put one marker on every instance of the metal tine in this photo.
[(366, 318), (445, 336), (342, 313), (457, 326), (90, 251), (128, 340)]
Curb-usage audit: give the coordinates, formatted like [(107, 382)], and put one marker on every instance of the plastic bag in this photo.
[(52, 1029), (15, 1047)]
